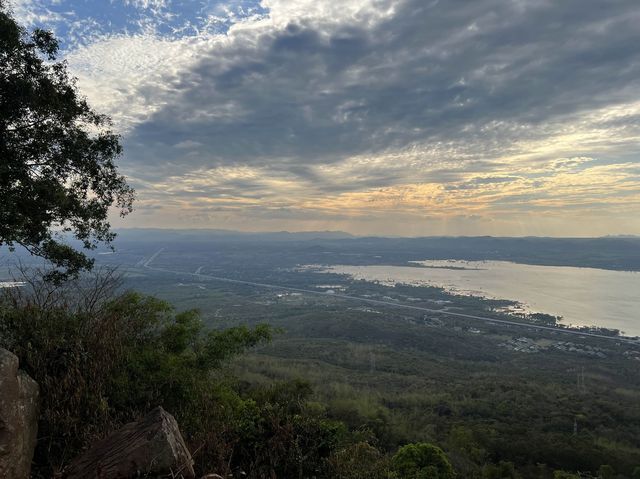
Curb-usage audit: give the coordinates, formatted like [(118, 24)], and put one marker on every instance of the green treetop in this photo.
[(57, 170)]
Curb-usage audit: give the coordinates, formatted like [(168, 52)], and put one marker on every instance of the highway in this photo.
[(197, 274)]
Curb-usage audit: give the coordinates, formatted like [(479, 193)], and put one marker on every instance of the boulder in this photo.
[(151, 447), (19, 400)]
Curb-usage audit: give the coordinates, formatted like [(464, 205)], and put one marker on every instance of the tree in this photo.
[(564, 475), (606, 472), (57, 170), (422, 461), (360, 461), (502, 470)]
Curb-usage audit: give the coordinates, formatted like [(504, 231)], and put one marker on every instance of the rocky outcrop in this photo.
[(19, 398), (151, 447)]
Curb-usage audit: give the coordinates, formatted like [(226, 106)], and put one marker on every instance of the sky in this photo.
[(383, 117)]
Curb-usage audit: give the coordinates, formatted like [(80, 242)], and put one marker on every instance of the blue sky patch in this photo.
[(77, 22)]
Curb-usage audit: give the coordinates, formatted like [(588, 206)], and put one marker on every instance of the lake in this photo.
[(582, 296)]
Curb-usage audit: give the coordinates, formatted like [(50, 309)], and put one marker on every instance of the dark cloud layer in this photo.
[(486, 72)]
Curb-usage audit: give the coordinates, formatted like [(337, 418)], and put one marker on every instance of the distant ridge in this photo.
[(167, 233), (196, 233), (612, 253)]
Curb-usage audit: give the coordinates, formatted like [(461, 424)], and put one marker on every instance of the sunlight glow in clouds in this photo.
[(371, 116)]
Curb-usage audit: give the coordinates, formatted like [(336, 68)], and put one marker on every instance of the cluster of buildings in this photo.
[(522, 345), (632, 354), (580, 349), (528, 345)]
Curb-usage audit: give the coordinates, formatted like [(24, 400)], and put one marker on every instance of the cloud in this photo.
[(147, 4), (317, 90), (368, 108), (33, 12)]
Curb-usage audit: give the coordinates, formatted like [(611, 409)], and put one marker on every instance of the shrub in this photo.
[(360, 461), (102, 358), (422, 461), (281, 437), (502, 470)]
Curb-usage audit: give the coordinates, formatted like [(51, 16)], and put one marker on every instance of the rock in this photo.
[(151, 447), (19, 400)]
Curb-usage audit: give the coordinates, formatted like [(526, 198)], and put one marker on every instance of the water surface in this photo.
[(582, 296)]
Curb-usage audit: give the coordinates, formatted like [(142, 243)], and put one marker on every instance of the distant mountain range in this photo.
[(202, 233), (199, 234)]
